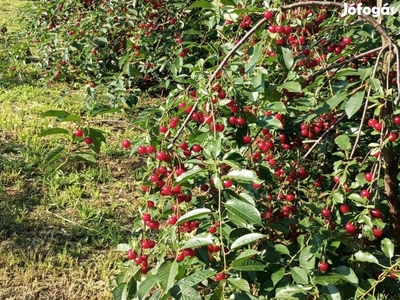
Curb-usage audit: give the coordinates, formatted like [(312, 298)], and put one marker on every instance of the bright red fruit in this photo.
[(351, 228), (344, 208), (377, 232), (326, 212), (246, 139), (227, 183), (131, 254), (378, 126), (323, 266), (368, 177), (78, 133), (376, 213), (88, 140), (126, 144), (396, 120), (393, 136), (268, 14), (365, 194), (212, 230), (219, 277)]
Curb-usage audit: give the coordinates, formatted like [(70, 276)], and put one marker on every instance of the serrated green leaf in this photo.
[(387, 247), (246, 254), (365, 257), (240, 284), (246, 239), (146, 286), (343, 142), (269, 122), (331, 292), (248, 264), (307, 259), (277, 276), (354, 104), (255, 58), (197, 277), (299, 275), (198, 242), (192, 173), (347, 274), (193, 215), (241, 176), (166, 274), (53, 154), (87, 157), (55, 113), (53, 131), (245, 211), (184, 292), (285, 58), (290, 291), (326, 279), (282, 249), (291, 86), (201, 4)]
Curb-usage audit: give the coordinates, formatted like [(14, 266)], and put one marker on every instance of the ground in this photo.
[(58, 231)]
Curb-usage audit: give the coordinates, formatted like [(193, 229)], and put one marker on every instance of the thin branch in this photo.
[(338, 64), (366, 102)]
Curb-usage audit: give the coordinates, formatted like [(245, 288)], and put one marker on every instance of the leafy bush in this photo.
[(272, 166)]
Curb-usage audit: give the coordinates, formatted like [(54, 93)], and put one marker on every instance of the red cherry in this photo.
[(344, 208), (78, 133), (88, 140), (290, 197), (393, 136), (131, 254), (268, 14), (172, 220), (365, 194), (227, 183), (246, 139), (219, 277), (256, 185), (326, 212), (196, 148), (150, 204), (141, 150), (351, 229), (396, 120), (368, 177), (161, 155), (146, 217), (240, 121), (163, 129), (150, 149), (346, 40), (378, 126), (376, 213), (212, 230), (180, 257), (377, 232), (126, 144), (323, 266)]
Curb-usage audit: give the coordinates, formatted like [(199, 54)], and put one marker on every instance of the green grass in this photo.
[(58, 230)]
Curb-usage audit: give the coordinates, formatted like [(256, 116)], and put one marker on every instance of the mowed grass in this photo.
[(59, 230)]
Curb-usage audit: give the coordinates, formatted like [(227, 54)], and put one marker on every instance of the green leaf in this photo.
[(307, 259), (245, 211), (146, 286), (330, 104), (53, 154), (193, 215), (387, 247), (129, 289), (277, 276), (118, 291), (347, 274), (192, 173), (53, 131), (282, 249), (364, 72), (201, 4), (123, 247), (184, 292), (276, 107), (197, 277), (331, 292), (258, 82), (354, 103), (246, 239), (291, 86), (240, 284), (299, 275), (241, 175), (55, 113), (196, 241), (343, 141), (290, 292), (269, 122), (248, 264), (326, 279), (166, 274), (365, 257), (256, 56), (285, 58), (246, 254), (86, 157)]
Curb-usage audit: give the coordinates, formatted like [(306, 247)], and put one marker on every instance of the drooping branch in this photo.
[(367, 19)]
